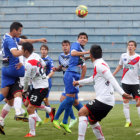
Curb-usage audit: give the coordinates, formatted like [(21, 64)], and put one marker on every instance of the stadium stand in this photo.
[(108, 23)]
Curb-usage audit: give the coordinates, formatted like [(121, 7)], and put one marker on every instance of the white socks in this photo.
[(22, 110), (17, 105), (126, 112), (37, 117), (32, 123), (82, 127), (138, 109), (45, 108), (5, 110), (97, 131)]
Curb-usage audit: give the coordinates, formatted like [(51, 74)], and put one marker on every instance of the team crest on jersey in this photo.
[(125, 59)]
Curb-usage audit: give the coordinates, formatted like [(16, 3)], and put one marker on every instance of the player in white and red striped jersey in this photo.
[(104, 84), (130, 62), (34, 69)]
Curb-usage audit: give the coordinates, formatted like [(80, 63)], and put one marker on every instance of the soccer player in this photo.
[(49, 72), (34, 66), (72, 73), (130, 62), (104, 82), (11, 70), (63, 65)]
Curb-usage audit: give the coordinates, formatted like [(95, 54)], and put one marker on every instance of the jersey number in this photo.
[(33, 98)]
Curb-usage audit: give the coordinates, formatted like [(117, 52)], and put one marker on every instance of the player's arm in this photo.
[(106, 73), (42, 40), (59, 68), (16, 52), (76, 53), (27, 76), (83, 82), (119, 67), (84, 70), (87, 57)]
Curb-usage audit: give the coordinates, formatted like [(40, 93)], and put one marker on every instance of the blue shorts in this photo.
[(69, 77), (10, 75), (49, 89)]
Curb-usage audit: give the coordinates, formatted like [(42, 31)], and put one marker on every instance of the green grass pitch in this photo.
[(112, 126)]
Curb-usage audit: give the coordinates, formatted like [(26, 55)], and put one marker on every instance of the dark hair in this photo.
[(23, 37), (83, 33), (16, 26), (65, 41), (135, 44), (96, 51), (28, 47), (44, 46)]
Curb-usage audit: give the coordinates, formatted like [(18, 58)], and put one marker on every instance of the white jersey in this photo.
[(103, 82), (34, 69), (131, 65), (22, 60)]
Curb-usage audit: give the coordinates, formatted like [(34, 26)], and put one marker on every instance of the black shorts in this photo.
[(36, 96), (97, 110), (13, 90), (131, 89)]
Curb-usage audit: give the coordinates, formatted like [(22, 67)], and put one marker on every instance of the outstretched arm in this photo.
[(42, 40), (119, 67)]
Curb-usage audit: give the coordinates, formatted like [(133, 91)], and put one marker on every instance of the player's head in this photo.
[(44, 50), (131, 46), (16, 29), (66, 46), (27, 49), (95, 52), (82, 38)]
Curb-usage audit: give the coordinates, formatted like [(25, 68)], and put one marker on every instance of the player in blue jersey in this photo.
[(10, 65), (72, 73), (49, 72), (63, 65), (1, 95)]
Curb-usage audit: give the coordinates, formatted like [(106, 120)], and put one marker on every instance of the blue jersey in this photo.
[(49, 64), (64, 61), (76, 62), (9, 43)]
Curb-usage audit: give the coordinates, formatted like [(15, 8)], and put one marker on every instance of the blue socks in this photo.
[(60, 110), (68, 107), (1, 97), (72, 114)]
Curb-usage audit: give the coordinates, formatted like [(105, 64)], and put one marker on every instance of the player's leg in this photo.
[(136, 94), (126, 109), (69, 77), (1, 97), (49, 110), (59, 111), (5, 110), (32, 120), (83, 122), (46, 101), (16, 90), (68, 107), (78, 106), (97, 111)]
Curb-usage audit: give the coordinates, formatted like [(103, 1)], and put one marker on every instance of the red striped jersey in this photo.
[(131, 65)]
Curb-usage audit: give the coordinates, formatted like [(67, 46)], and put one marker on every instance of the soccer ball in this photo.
[(81, 11)]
